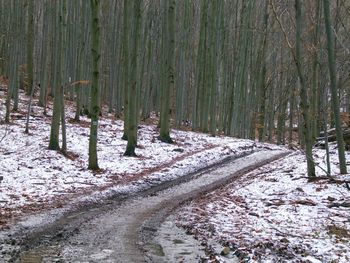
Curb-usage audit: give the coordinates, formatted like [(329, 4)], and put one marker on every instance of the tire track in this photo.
[(123, 231)]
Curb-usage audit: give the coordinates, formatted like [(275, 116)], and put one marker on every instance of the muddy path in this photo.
[(125, 229)]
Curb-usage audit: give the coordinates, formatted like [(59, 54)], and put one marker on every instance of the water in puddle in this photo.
[(172, 244), (43, 254)]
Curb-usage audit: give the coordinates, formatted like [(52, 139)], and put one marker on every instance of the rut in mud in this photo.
[(127, 231)]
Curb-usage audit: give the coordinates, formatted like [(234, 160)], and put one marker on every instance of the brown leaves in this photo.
[(338, 232), (79, 82), (304, 202)]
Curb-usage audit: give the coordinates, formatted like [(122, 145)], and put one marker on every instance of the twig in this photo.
[(340, 192), (3, 137), (287, 234), (284, 233), (290, 47), (310, 159), (79, 82), (343, 204), (340, 41)]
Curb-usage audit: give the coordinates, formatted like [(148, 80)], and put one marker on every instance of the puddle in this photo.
[(43, 254), (113, 235), (172, 244)]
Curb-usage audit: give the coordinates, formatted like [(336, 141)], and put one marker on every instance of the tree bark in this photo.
[(304, 105), (30, 46), (56, 115), (169, 66), (94, 95), (132, 83), (333, 86)]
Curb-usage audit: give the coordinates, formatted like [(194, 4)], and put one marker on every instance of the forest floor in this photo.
[(270, 215), (35, 178), (274, 214)]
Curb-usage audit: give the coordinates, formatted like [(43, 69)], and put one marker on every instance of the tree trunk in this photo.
[(94, 95), (56, 115), (333, 86), (63, 127), (304, 105), (133, 79), (30, 46), (169, 65), (126, 66)]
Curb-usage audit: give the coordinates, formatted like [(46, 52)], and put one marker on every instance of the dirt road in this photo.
[(126, 230)]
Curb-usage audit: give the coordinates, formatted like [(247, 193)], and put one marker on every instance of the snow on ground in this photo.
[(35, 178), (274, 214)]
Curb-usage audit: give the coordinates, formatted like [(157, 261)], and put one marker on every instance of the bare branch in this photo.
[(6, 132), (274, 11)]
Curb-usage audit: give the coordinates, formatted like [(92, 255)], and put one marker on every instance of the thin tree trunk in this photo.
[(30, 46), (63, 127), (95, 101), (126, 66), (168, 85), (303, 92), (29, 110), (333, 86), (56, 115), (315, 75)]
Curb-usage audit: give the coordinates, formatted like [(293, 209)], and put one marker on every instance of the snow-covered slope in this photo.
[(275, 215), (35, 178)]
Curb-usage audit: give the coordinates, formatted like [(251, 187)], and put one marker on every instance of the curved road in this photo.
[(122, 232)]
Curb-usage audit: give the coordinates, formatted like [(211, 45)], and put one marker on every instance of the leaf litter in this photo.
[(35, 178), (274, 214)]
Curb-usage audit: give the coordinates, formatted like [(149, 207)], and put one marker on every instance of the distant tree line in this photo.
[(269, 70)]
